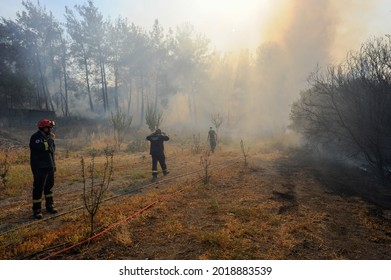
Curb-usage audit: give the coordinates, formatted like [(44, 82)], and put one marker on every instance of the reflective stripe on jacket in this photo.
[(42, 150)]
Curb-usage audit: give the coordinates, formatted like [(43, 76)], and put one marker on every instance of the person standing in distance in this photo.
[(212, 137), (43, 166), (157, 152)]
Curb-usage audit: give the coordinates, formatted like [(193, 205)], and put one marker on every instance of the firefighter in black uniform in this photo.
[(157, 152), (212, 137), (43, 165)]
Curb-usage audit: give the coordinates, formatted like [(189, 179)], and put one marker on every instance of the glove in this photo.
[(51, 145)]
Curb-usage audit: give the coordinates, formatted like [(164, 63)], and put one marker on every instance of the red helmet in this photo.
[(45, 123)]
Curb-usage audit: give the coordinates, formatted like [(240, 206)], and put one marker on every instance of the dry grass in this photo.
[(275, 208)]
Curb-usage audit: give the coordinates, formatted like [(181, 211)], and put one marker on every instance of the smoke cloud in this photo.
[(298, 37)]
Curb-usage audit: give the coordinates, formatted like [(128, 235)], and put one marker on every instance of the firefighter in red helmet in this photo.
[(43, 166)]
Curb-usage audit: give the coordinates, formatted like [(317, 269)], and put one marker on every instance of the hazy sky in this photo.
[(233, 24), (226, 22), (304, 34)]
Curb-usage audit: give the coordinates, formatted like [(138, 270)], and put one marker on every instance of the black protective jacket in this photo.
[(157, 143), (42, 150)]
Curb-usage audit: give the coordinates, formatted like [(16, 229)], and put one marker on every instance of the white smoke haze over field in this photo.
[(296, 37), (282, 40)]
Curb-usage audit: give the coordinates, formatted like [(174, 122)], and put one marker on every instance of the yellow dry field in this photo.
[(282, 205)]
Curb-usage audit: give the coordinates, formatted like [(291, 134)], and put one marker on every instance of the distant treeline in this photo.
[(89, 64), (92, 65)]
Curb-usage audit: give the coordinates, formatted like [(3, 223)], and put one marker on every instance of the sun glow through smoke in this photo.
[(230, 24)]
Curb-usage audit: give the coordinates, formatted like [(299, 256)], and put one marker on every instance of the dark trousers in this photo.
[(43, 183), (213, 145), (162, 161)]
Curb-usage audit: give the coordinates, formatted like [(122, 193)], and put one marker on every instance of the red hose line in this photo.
[(111, 227)]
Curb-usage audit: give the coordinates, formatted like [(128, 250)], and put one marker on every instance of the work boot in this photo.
[(165, 173), (154, 178), (51, 210), (38, 214)]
